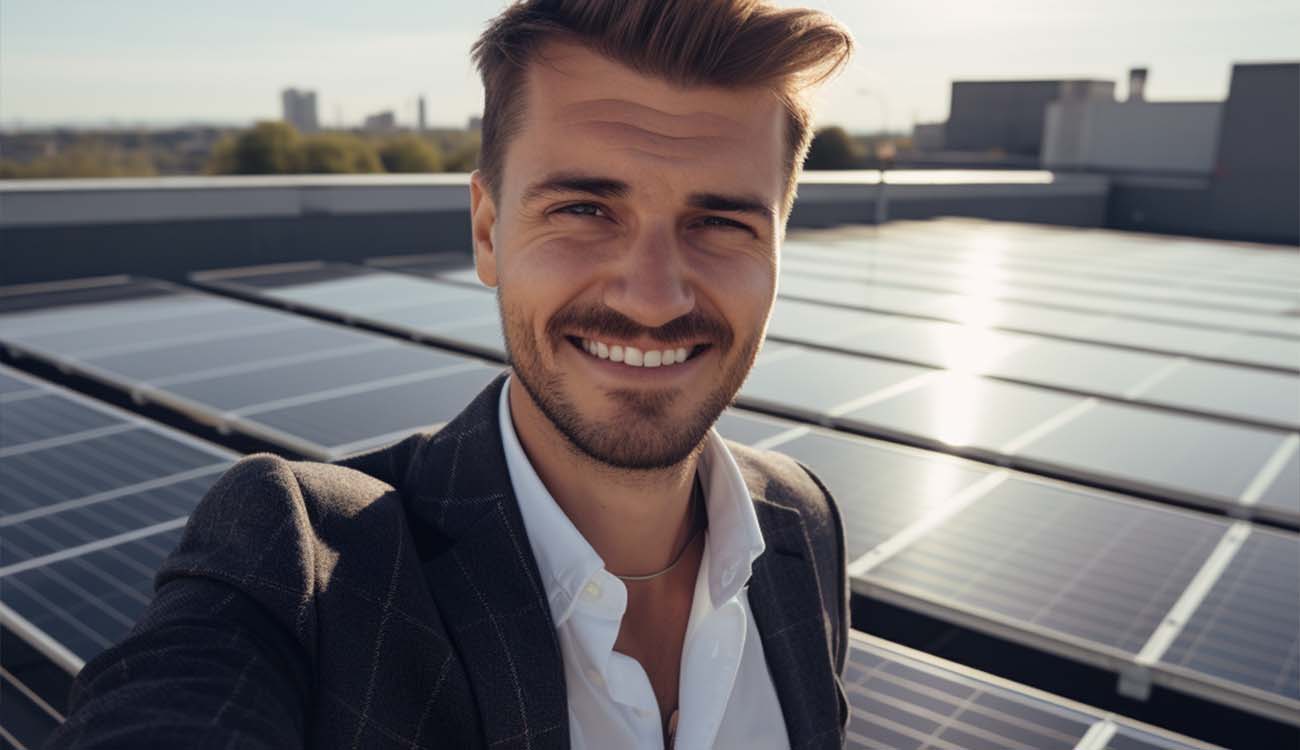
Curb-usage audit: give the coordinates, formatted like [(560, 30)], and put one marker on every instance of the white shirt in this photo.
[(725, 696)]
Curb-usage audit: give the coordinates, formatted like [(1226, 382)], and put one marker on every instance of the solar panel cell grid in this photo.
[(897, 705), (1247, 629), (880, 490), (1058, 559), (43, 478), (89, 602), (45, 417)]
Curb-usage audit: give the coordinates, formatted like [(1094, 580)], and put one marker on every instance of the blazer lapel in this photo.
[(783, 595), (481, 572)]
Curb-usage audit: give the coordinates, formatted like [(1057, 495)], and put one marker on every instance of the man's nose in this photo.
[(652, 283)]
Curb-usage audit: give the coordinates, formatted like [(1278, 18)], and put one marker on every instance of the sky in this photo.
[(90, 62)]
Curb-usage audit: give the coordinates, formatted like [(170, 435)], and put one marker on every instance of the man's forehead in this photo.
[(582, 105)]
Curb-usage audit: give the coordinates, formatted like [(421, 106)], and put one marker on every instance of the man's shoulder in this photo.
[(779, 479)]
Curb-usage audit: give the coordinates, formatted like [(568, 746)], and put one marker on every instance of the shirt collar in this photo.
[(567, 561)]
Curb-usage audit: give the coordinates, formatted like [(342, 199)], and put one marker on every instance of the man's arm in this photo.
[(219, 658)]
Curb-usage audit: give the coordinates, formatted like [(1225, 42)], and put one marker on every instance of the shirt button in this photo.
[(591, 591), (595, 678)]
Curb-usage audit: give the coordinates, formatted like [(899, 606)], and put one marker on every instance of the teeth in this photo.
[(630, 355)]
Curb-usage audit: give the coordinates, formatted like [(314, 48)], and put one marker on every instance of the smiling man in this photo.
[(578, 559)]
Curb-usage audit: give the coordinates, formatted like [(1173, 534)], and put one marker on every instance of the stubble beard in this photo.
[(645, 435)]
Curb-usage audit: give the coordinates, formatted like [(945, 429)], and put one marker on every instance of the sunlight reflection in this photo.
[(956, 408)]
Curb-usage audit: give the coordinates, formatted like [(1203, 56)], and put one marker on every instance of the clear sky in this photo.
[(91, 61)]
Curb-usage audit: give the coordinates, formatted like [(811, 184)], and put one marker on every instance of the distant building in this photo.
[(380, 122), (1008, 116), (1134, 136), (927, 137), (299, 108), (422, 124), (475, 123)]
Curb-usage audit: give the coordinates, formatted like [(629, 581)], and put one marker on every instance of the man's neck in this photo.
[(635, 520)]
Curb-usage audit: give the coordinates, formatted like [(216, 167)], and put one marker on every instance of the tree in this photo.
[(832, 148), (410, 153), (337, 153), (269, 148)]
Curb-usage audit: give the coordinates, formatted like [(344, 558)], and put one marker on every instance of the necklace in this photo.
[(697, 496)]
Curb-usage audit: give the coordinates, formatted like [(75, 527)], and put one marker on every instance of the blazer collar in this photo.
[(481, 572)]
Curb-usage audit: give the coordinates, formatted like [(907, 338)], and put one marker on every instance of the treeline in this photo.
[(834, 148), (266, 148), (276, 148)]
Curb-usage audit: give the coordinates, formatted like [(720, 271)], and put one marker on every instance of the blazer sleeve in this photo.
[(220, 657)]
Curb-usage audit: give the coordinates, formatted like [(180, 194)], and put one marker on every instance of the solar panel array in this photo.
[(1198, 603), (320, 390), (92, 501)]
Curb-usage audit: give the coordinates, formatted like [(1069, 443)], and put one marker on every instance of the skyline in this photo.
[(79, 63)]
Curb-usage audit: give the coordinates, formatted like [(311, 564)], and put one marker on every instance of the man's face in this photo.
[(637, 221)]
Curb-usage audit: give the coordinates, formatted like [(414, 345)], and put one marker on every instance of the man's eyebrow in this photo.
[(742, 204), (572, 182)]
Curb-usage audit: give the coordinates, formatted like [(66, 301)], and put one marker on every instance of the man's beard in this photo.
[(644, 435)]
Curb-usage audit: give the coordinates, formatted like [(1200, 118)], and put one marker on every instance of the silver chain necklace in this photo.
[(697, 498)]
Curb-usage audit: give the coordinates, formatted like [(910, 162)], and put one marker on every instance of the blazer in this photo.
[(392, 601)]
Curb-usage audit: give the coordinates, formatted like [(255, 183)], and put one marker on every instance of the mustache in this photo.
[(598, 319)]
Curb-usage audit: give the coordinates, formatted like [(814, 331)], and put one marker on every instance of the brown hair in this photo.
[(727, 43)]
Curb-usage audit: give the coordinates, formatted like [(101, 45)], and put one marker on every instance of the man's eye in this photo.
[(718, 221), (582, 209)]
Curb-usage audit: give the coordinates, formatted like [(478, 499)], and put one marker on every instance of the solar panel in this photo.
[(306, 386), (1058, 559), (1174, 455), (25, 719), (93, 498), (86, 603), (901, 699), (780, 380), (1246, 630), (749, 428), (880, 488)]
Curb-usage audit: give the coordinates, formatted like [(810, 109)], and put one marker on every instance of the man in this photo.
[(577, 560)]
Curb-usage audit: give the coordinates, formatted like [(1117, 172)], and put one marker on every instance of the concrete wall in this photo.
[(169, 227), (1256, 188), (1136, 137)]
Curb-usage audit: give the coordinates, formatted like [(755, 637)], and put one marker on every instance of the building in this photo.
[(927, 137), (380, 122), (299, 109), (422, 122), (1133, 136), (1008, 116), (1256, 186)]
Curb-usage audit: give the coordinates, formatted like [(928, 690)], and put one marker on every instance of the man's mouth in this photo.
[(636, 357)]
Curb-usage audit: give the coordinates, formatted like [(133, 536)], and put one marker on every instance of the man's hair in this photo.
[(724, 43)]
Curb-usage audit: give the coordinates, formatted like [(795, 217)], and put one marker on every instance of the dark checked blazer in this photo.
[(392, 601)]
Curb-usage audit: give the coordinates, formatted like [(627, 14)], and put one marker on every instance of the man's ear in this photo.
[(483, 218)]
